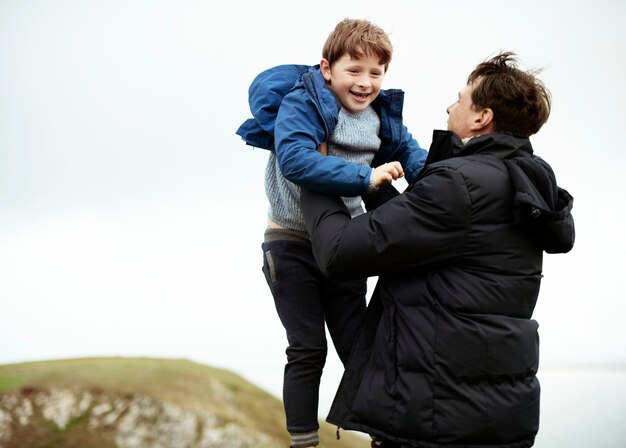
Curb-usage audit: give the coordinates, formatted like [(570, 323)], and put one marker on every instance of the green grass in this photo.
[(8, 383), (184, 383)]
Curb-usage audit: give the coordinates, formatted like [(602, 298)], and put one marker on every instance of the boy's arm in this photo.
[(299, 131), (382, 175), (411, 155)]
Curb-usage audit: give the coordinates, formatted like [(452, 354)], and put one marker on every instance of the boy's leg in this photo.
[(344, 309), (294, 279)]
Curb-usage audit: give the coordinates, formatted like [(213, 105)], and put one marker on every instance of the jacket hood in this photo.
[(539, 203), (264, 97)]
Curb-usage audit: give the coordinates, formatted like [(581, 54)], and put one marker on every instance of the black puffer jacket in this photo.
[(449, 352)]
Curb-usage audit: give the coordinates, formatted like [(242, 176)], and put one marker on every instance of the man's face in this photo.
[(461, 114), (355, 82)]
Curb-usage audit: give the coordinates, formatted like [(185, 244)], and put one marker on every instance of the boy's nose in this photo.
[(363, 82)]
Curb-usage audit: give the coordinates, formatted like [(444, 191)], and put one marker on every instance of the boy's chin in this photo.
[(357, 107)]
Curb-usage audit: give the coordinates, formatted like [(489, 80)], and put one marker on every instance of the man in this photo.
[(448, 352)]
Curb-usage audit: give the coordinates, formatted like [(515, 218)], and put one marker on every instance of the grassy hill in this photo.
[(142, 403)]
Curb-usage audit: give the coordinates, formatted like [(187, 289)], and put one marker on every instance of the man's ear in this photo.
[(483, 121), (325, 69)]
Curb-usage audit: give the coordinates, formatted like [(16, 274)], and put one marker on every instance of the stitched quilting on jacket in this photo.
[(448, 354)]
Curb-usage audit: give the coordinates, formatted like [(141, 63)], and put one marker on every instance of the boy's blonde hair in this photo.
[(358, 38)]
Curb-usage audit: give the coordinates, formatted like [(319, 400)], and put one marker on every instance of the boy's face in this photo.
[(355, 82)]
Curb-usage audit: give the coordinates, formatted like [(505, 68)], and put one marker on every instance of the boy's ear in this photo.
[(325, 69), (483, 121)]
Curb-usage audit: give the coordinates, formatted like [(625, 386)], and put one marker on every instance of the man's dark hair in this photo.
[(519, 101)]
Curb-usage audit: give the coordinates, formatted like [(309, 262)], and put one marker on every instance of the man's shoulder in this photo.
[(472, 169)]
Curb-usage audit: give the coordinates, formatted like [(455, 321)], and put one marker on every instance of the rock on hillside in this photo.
[(29, 416)]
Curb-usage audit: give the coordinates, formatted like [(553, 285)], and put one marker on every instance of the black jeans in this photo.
[(305, 299)]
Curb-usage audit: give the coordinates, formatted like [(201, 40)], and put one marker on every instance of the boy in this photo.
[(338, 107)]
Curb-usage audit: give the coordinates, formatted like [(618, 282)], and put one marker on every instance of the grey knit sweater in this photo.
[(354, 139)]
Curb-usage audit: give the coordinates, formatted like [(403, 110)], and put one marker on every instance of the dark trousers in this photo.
[(306, 300)]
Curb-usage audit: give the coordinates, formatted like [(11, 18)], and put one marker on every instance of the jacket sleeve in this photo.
[(424, 227), (411, 155), (299, 131)]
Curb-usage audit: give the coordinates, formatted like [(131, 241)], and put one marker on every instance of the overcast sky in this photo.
[(131, 215)]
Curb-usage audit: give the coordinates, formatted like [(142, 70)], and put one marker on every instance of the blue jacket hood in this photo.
[(264, 97)]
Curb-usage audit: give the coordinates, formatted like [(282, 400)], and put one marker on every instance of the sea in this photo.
[(582, 408)]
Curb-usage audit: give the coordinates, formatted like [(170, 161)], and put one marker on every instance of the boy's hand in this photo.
[(387, 173), (323, 149)]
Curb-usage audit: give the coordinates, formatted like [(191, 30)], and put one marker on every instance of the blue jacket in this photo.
[(294, 112)]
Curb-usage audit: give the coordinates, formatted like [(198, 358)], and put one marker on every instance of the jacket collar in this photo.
[(447, 144)]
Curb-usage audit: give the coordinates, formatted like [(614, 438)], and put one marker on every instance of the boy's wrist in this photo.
[(371, 186)]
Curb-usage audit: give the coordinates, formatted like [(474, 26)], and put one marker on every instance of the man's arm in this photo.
[(417, 230)]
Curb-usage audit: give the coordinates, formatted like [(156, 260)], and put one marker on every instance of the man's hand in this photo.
[(387, 173)]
